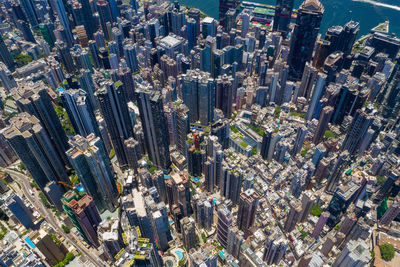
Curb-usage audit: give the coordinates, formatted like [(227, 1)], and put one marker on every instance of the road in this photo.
[(23, 180)]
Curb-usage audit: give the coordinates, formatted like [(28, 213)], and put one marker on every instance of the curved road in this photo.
[(45, 213)]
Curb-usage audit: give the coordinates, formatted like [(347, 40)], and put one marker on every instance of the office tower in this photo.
[(188, 232), (224, 6), (319, 153), (35, 149), (46, 29), (20, 211), (307, 202), (63, 17), (270, 138), (154, 127), (198, 95), (86, 83), (203, 212), (80, 111), (191, 32), (113, 105), (6, 56), (337, 171), (83, 214), (34, 99), (223, 224), (90, 160), (248, 203), (387, 187), (65, 56), (283, 15), (304, 36), (293, 215), (300, 136), (130, 57), (29, 9), (7, 153), (275, 248), (355, 253), (110, 234), (52, 252), (230, 20), (349, 35), (208, 27), (319, 226), (54, 193), (103, 8), (359, 126), (26, 31), (391, 213), (6, 77), (180, 114), (322, 126), (308, 80), (317, 93), (94, 53)]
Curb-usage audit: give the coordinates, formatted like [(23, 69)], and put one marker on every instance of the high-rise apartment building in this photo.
[(113, 105), (80, 111), (248, 203), (90, 160), (35, 149), (154, 127), (83, 214)]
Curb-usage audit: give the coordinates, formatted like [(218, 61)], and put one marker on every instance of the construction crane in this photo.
[(69, 186)]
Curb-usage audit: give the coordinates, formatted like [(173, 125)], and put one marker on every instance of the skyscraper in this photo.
[(293, 215), (83, 214), (29, 9), (181, 121), (63, 16), (304, 36), (283, 15), (90, 160), (248, 203), (35, 149), (391, 213), (6, 77), (103, 7), (113, 105), (6, 56), (357, 130), (224, 6), (337, 171), (80, 111), (20, 211), (223, 224), (154, 127), (322, 124), (34, 99)]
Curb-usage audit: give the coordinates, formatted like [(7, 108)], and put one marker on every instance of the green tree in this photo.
[(380, 180), (316, 210), (44, 200), (65, 228), (387, 251)]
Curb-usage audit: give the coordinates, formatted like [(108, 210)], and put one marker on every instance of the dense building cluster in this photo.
[(144, 133)]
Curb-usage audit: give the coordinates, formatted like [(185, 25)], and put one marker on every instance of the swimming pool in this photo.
[(179, 253)]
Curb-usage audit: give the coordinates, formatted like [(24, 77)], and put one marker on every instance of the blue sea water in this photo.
[(337, 12)]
